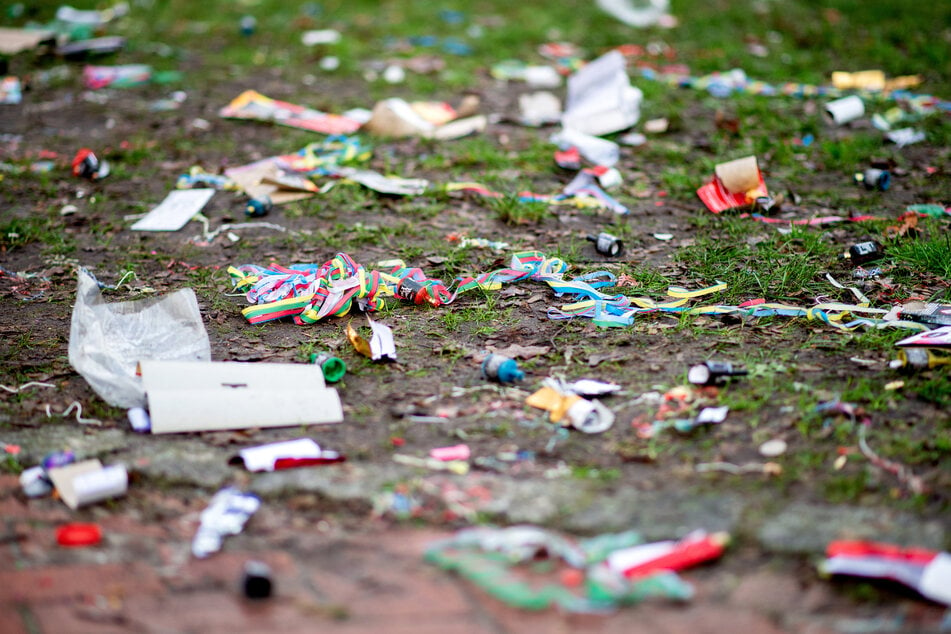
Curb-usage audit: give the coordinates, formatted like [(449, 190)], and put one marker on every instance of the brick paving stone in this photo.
[(76, 618), (64, 582), (767, 591), (11, 622)]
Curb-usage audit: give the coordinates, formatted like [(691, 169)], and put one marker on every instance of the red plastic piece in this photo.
[(78, 535)]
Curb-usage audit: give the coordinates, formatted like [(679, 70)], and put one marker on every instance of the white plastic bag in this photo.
[(106, 341)]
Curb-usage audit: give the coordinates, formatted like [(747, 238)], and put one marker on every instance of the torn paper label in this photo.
[(256, 179), (175, 211), (187, 396)]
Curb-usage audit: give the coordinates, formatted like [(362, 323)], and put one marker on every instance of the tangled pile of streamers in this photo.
[(309, 293)]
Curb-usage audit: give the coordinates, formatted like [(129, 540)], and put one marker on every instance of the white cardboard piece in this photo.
[(175, 211), (86, 482), (186, 396)]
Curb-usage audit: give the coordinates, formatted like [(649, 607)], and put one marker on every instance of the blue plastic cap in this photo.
[(509, 372)]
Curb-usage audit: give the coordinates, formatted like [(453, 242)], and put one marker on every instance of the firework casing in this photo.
[(412, 291), (873, 178), (256, 580), (501, 369), (257, 207), (712, 372), (606, 244), (842, 111), (865, 252), (332, 367)]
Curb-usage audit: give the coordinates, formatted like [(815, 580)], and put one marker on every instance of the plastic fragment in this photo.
[(496, 367), (225, 515), (78, 535)]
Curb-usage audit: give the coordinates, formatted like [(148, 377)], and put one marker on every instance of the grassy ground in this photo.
[(795, 364)]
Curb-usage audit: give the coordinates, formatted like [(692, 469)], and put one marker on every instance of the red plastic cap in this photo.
[(78, 535)]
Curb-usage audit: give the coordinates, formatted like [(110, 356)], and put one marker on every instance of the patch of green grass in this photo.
[(931, 254), (512, 211)]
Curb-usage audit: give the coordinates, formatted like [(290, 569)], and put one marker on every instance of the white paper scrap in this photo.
[(175, 211), (381, 341)]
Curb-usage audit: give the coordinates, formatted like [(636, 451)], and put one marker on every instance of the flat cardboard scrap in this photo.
[(735, 184), (253, 105), (86, 482), (175, 211), (383, 184), (185, 396), (13, 41)]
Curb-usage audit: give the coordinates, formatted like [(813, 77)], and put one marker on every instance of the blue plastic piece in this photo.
[(501, 369)]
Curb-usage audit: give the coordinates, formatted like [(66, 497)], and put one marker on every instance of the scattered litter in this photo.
[(226, 514), (139, 419), (16, 390), (926, 571), (651, 13), (539, 108), (35, 482), (919, 359), (107, 341), (380, 346), (87, 482), (253, 105), (203, 396), (665, 237), (302, 452), (606, 244), (495, 559), (458, 467), (13, 41), (601, 99), (87, 165), (175, 211), (320, 37), (936, 338), (845, 110), (714, 372), (905, 136), (874, 179), (79, 413), (863, 252), (256, 580), (769, 468), (496, 367), (773, 448), (455, 452), (333, 367), (125, 76), (735, 184), (11, 90), (78, 535)]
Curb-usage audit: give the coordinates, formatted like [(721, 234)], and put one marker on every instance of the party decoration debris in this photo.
[(108, 340), (175, 211), (254, 106), (287, 454), (226, 514), (87, 482), (601, 99), (188, 396), (495, 559), (735, 184), (926, 571)]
